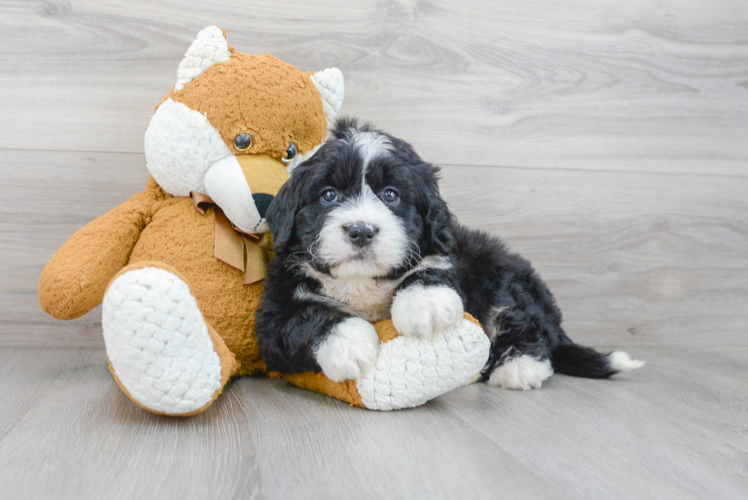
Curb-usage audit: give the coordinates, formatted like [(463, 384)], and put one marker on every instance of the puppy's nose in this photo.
[(361, 234)]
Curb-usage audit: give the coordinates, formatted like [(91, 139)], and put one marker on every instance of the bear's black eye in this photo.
[(390, 195), (329, 195), (243, 142), (290, 152)]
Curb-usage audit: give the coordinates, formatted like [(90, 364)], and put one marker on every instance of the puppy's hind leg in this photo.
[(519, 364), (526, 353)]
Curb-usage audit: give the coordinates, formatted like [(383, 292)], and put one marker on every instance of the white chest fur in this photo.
[(367, 298)]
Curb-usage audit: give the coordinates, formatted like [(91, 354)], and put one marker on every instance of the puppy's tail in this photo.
[(579, 361)]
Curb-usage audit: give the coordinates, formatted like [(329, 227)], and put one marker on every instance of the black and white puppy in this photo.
[(361, 234)]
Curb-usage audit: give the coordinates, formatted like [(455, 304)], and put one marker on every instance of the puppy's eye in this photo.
[(329, 196), (290, 153), (243, 142), (390, 195)]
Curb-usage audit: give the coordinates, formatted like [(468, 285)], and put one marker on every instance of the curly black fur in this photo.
[(499, 288)]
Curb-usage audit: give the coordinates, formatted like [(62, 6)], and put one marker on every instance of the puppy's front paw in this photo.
[(349, 351), (421, 311)]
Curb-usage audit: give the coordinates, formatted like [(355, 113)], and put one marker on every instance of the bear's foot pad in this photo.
[(411, 371), (158, 342)]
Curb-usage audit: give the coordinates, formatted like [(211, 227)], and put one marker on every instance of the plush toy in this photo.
[(179, 266)]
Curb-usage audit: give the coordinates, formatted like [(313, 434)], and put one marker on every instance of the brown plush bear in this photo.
[(179, 267)]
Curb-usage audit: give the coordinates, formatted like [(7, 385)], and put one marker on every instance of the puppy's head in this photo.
[(365, 205)]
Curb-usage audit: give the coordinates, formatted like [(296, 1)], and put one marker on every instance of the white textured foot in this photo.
[(521, 373), (410, 371), (158, 342), (349, 351), (422, 311), (622, 362)]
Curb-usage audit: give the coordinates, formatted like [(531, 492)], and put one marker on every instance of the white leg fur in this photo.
[(422, 311), (521, 373), (158, 342), (622, 362), (349, 351)]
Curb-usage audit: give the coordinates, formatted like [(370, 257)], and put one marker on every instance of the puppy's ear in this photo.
[(439, 225), (281, 214), (437, 217)]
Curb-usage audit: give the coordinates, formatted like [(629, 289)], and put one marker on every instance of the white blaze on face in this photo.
[(388, 248), (370, 145)]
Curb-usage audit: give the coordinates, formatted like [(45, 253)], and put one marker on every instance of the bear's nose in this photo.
[(262, 202), (361, 233)]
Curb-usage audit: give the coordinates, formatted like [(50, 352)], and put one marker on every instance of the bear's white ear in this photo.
[(209, 48), (329, 83)]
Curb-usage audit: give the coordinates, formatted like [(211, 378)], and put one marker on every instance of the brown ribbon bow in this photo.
[(246, 252)]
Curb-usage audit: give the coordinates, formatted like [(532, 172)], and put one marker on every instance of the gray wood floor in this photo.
[(676, 430), (607, 141)]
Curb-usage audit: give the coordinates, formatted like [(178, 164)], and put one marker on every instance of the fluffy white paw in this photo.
[(422, 311), (158, 343), (521, 373), (349, 351)]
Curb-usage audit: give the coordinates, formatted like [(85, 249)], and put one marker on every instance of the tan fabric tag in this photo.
[(256, 252), (243, 251), (200, 201), (229, 243)]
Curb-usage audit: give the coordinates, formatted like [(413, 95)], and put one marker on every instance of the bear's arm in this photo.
[(74, 280)]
